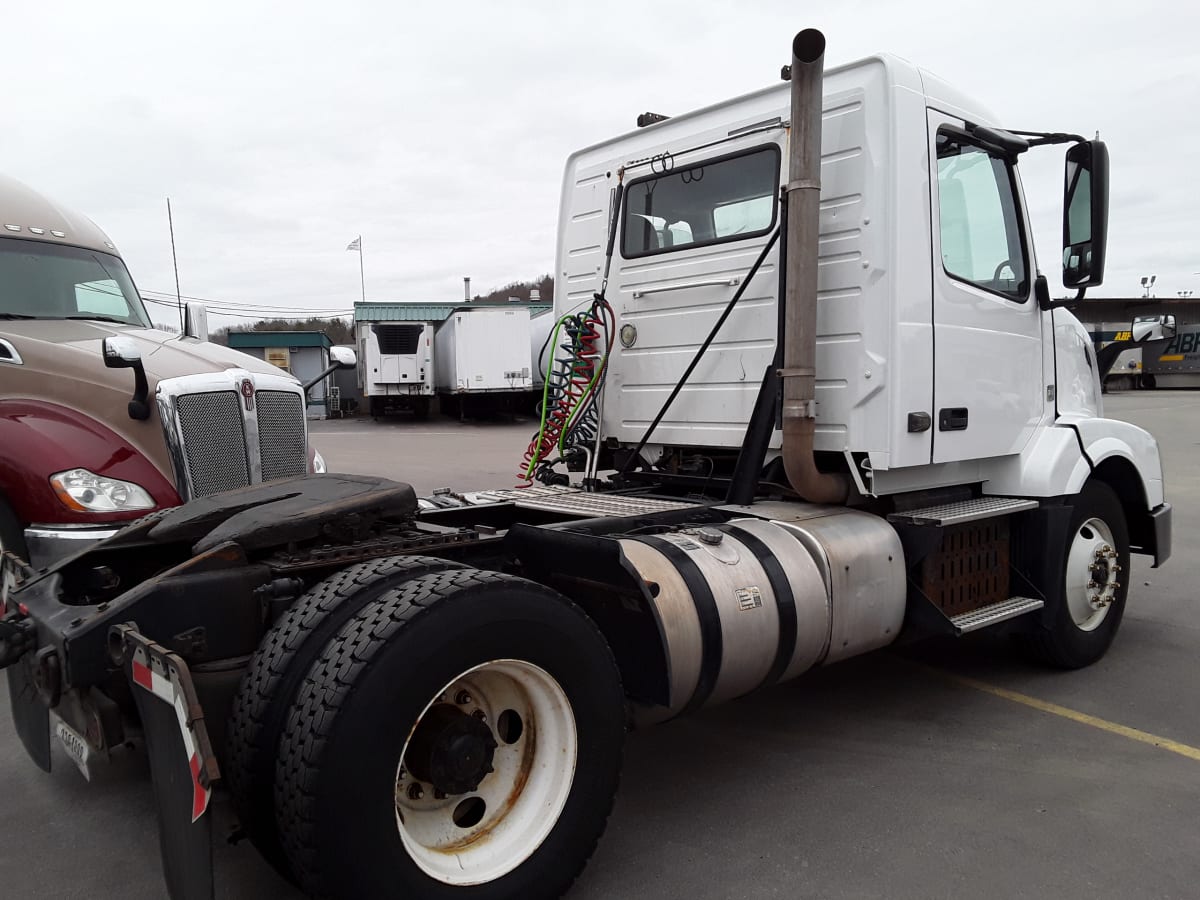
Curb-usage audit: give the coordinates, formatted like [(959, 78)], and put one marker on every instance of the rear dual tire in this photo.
[(277, 669), (357, 817)]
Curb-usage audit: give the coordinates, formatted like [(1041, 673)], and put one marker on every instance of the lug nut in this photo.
[(480, 715), (415, 792), (462, 698)]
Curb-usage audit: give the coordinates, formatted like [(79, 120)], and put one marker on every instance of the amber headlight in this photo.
[(85, 491)]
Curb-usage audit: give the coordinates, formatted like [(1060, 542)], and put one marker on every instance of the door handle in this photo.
[(952, 418), (720, 282)]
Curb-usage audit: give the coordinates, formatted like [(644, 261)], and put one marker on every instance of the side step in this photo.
[(993, 614), (964, 511)]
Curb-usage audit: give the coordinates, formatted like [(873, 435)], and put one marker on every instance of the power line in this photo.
[(282, 310), (264, 314), (234, 304)]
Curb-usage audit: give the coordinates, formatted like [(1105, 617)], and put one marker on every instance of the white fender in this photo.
[(1060, 459)]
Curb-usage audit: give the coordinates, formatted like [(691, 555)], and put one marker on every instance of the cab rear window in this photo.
[(729, 198)]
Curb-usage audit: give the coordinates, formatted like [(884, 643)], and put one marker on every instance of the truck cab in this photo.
[(940, 359), (103, 417)]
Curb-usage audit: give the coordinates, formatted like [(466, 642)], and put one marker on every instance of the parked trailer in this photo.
[(1152, 352), (540, 328), (433, 703), (482, 357), (396, 372), (1174, 360)]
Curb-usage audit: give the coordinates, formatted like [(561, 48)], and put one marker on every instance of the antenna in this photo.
[(175, 263)]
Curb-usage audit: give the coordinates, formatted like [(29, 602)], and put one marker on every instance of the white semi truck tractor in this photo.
[(807, 393)]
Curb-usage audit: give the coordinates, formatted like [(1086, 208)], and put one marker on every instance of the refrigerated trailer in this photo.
[(820, 398), (396, 371)]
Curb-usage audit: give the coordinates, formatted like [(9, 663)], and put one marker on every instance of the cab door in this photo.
[(988, 378)]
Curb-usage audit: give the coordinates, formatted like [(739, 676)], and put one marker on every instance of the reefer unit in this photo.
[(396, 366)]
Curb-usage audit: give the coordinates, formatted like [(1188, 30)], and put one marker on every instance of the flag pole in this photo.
[(362, 276)]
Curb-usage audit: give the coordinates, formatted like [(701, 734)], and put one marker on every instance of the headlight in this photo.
[(85, 491), (318, 463)]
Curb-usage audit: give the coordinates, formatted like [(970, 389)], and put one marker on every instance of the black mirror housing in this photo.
[(1085, 214)]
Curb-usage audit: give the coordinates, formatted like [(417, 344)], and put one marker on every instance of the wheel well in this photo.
[(610, 592), (1122, 476)]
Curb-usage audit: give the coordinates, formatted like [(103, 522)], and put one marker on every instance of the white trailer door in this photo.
[(989, 392)]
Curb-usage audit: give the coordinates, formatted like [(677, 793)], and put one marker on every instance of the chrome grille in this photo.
[(214, 441), (281, 439)]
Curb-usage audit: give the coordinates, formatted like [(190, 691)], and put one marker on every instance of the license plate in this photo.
[(76, 746)]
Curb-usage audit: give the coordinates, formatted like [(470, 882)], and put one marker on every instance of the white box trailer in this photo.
[(540, 328), (396, 370), (484, 351)]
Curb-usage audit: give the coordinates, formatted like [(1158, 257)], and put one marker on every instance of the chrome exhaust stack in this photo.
[(800, 293)]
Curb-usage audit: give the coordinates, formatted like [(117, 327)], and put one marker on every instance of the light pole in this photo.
[(1184, 294), (1147, 284)]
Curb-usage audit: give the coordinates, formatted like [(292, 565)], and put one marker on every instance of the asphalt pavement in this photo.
[(951, 768)]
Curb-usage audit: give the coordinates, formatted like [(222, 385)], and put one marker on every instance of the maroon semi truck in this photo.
[(104, 418)]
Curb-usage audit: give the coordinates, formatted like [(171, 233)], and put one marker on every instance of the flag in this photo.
[(356, 244)]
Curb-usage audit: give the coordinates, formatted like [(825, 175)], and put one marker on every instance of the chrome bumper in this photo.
[(50, 543)]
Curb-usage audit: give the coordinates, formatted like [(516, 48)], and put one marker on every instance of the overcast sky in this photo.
[(439, 131)]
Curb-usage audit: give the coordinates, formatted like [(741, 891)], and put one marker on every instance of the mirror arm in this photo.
[(138, 407), (307, 385), (1044, 138)]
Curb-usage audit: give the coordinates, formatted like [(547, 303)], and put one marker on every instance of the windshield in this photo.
[(39, 280)]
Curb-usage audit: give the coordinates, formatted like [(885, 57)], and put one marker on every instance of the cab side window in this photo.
[(729, 198), (982, 238)]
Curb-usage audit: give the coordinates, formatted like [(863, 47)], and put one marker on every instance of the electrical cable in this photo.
[(584, 341)]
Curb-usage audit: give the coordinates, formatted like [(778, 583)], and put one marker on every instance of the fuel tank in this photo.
[(755, 601)]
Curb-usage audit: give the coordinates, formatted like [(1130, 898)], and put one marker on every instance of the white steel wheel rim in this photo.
[(522, 798), (1093, 574)]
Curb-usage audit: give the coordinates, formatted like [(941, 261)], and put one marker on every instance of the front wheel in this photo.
[(1085, 617), (459, 738)]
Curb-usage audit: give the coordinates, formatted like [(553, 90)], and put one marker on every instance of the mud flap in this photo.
[(182, 763), (31, 716)]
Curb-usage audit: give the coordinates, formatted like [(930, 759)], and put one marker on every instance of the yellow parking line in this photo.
[(1054, 709)]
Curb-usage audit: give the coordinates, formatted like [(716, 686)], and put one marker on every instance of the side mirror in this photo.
[(122, 353), (1085, 214), (195, 321), (339, 358), (343, 357)]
